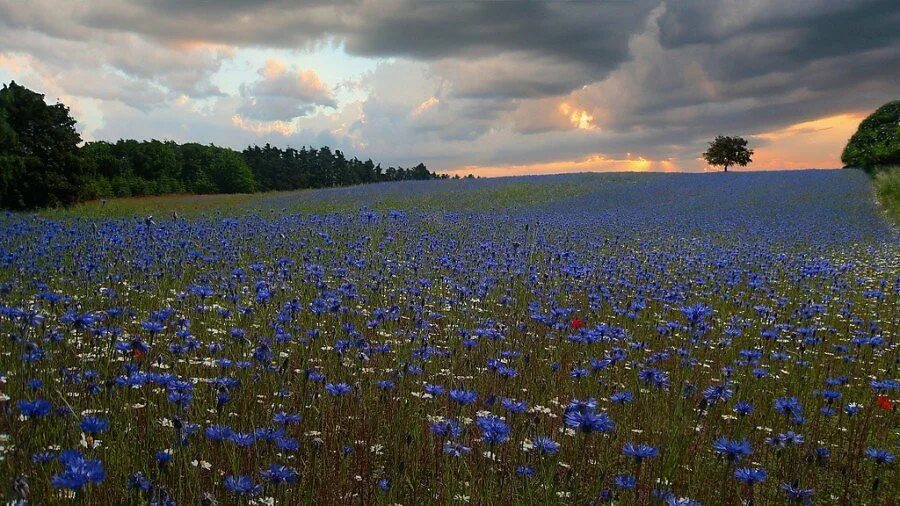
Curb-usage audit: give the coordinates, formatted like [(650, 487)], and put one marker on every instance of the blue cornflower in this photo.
[(337, 389), (241, 485), (243, 439), (797, 495), (94, 424), (138, 481), (287, 444), (784, 439), (43, 457), (743, 408), (78, 471), (625, 481), (750, 475), (447, 428), (578, 372), (494, 429), (588, 421), (164, 457), (455, 449), (734, 450), (788, 406), (282, 418), (435, 390), (180, 398), (37, 408), (153, 327), (879, 456), (514, 406), (277, 473), (640, 451), (384, 484), (622, 397), (463, 396), (545, 445), (717, 393), (385, 384), (525, 471), (218, 433)]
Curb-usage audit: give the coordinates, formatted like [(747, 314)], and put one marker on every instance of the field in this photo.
[(628, 338)]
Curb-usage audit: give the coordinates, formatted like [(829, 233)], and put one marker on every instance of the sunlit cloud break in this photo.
[(481, 87)]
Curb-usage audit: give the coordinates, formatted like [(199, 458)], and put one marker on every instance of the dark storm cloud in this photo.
[(654, 76)]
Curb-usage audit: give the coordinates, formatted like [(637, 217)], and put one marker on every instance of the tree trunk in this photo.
[(726, 168)]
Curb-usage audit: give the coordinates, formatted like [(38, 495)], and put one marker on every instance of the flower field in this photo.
[(627, 338)]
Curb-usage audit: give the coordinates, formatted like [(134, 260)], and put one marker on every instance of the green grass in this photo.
[(887, 188)]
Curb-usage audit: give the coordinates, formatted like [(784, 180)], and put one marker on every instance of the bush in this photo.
[(887, 187), (877, 141)]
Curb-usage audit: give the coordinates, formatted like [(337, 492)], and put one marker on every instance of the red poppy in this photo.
[(884, 402), (137, 353), (577, 323)]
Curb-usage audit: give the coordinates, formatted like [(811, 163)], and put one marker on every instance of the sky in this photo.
[(490, 88)]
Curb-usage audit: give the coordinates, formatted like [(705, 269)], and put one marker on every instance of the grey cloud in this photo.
[(284, 94)]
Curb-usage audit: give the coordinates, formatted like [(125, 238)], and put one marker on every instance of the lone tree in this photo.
[(877, 141), (40, 164), (726, 151)]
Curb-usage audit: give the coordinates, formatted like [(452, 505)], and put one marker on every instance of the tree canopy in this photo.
[(725, 151), (876, 142), (40, 162)]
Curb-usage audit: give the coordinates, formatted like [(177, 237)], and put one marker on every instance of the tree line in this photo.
[(43, 162)]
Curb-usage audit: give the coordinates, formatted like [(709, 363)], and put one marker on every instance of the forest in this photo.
[(44, 162)]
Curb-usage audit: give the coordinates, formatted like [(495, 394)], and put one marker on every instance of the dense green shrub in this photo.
[(40, 163), (877, 141)]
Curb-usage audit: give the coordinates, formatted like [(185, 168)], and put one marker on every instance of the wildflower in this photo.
[(797, 495), (455, 449), (163, 457), (884, 403), (622, 397), (743, 408), (94, 425), (463, 397), (242, 485), (639, 452), (788, 406), (77, 471), (447, 428), (243, 439), (625, 481), (879, 456), (732, 449), (218, 433), (282, 418), (750, 475), (525, 471), (38, 408), (588, 421), (494, 429), (435, 390), (717, 393), (545, 445), (337, 389), (278, 474), (513, 406)]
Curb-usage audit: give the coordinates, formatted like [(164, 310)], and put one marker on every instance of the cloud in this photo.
[(563, 85), (282, 94)]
